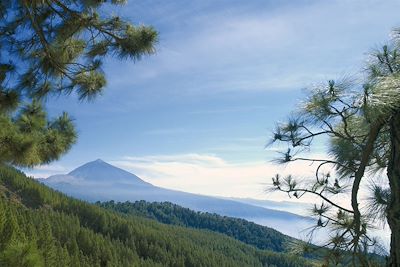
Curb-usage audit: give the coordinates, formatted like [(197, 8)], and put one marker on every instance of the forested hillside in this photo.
[(248, 232), (41, 227)]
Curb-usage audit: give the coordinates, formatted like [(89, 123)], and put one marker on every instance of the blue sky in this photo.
[(196, 115)]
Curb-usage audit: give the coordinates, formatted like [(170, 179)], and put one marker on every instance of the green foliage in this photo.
[(21, 255), (250, 233), (51, 48), (247, 232), (28, 139), (58, 46), (49, 229)]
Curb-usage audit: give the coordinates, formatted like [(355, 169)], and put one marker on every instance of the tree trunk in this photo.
[(393, 210)]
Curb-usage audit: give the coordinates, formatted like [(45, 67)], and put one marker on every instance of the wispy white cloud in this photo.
[(229, 110), (44, 171), (191, 158), (209, 174), (176, 131), (277, 48), (166, 131), (52, 167)]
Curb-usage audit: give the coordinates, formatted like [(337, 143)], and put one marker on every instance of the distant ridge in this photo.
[(98, 171), (101, 181)]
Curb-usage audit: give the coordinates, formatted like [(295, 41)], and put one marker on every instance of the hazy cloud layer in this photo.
[(209, 174)]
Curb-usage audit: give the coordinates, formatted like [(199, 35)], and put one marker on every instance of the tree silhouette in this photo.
[(360, 120)]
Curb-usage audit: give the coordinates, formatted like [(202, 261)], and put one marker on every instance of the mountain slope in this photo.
[(100, 181), (100, 171), (97, 172), (250, 233), (41, 227)]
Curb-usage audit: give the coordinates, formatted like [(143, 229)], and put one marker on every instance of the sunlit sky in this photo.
[(196, 115)]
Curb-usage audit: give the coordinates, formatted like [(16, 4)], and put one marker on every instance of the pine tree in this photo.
[(361, 121), (46, 244), (19, 254), (10, 229), (53, 47)]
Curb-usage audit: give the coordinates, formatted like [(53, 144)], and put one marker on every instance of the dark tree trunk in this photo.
[(393, 211)]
